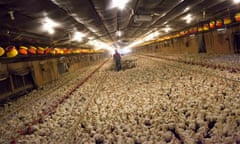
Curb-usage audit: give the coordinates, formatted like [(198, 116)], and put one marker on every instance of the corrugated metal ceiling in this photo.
[(96, 19)]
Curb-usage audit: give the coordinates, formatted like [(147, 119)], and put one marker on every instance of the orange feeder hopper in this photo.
[(32, 50), (2, 51), (47, 50), (227, 21), (52, 51), (219, 23), (11, 51), (200, 29), (23, 50), (40, 50), (212, 24), (205, 27), (237, 17)]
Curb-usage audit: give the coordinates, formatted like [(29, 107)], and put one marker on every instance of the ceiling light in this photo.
[(135, 43), (167, 29), (119, 33), (51, 31), (11, 14), (78, 36), (188, 21), (186, 9), (91, 38), (120, 4), (236, 1), (100, 45), (152, 36), (49, 25), (188, 18), (92, 29), (125, 50), (165, 22)]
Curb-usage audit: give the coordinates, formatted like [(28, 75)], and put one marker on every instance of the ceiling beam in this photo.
[(100, 19), (82, 25)]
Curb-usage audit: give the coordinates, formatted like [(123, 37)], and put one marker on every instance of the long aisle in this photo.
[(146, 102), (150, 102)]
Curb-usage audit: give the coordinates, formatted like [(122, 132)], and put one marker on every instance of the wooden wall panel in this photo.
[(216, 42)]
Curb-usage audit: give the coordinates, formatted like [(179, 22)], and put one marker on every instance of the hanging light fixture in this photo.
[(167, 29), (120, 4), (152, 36), (188, 18), (100, 45), (119, 33), (49, 25), (78, 36), (236, 1), (186, 9)]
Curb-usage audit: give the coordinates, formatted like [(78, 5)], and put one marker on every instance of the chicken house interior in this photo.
[(120, 71)]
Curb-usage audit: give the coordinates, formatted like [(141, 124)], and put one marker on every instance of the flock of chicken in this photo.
[(150, 102)]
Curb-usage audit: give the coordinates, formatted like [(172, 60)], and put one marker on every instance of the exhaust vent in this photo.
[(142, 18)]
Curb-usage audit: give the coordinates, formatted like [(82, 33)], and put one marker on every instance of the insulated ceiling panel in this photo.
[(98, 20)]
